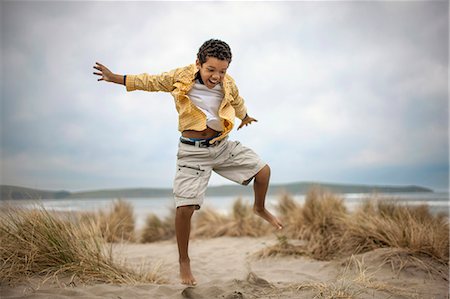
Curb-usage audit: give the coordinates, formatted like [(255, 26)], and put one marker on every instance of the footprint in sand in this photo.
[(254, 279), (235, 295), (191, 293)]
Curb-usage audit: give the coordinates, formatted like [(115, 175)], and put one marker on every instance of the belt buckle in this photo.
[(203, 143)]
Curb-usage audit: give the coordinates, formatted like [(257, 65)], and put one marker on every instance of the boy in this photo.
[(207, 101)]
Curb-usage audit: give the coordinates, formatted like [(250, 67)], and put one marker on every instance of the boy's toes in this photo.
[(189, 282), (277, 224)]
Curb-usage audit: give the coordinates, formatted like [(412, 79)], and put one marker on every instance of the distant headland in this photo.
[(9, 192)]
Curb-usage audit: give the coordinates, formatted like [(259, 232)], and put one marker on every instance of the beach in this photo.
[(227, 268), (381, 249)]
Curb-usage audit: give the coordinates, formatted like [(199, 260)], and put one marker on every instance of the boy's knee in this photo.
[(264, 172)]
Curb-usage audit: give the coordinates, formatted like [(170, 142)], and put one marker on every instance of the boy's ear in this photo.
[(197, 63)]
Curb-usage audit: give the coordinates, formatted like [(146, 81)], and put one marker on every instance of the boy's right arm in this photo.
[(163, 82)]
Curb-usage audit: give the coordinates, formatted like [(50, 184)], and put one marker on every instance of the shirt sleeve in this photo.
[(146, 82), (237, 102)]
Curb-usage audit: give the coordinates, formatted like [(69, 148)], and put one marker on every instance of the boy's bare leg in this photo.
[(183, 230), (260, 186)]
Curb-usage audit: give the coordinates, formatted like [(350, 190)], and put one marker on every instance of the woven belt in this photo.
[(199, 143)]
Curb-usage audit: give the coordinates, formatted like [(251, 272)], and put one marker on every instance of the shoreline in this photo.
[(162, 207)]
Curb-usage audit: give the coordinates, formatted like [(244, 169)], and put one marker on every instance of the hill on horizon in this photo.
[(9, 192)]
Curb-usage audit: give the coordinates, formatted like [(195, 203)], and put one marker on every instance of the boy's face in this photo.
[(212, 71)]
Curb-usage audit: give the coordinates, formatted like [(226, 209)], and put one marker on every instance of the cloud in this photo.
[(343, 91)]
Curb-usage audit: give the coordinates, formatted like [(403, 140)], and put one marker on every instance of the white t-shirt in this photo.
[(208, 101)]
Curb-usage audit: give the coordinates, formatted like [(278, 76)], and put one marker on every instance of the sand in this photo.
[(227, 268)]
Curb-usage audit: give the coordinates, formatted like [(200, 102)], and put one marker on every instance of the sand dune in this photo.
[(227, 268)]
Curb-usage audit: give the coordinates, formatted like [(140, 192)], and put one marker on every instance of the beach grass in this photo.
[(291, 216), (118, 223), (322, 228), (416, 236), (207, 223), (282, 248), (319, 222), (388, 224), (37, 242), (157, 229), (323, 214), (355, 280), (241, 222)]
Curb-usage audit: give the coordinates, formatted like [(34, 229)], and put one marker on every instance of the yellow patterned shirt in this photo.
[(179, 82)]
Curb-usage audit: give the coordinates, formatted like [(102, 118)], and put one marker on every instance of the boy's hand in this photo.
[(246, 121), (107, 75)]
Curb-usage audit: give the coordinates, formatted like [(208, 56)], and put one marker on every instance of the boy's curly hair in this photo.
[(214, 48)]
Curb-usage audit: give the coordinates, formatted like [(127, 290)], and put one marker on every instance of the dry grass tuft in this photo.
[(157, 229), (401, 259), (211, 224), (117, 225), (323, 214), (282, 248), (419, 237), (390, 225), (245, 222), (36, 242), (356, 280), (319, 222), (242, 222), (290, 213)]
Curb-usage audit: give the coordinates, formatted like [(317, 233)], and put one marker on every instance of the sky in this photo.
[(344, 92)]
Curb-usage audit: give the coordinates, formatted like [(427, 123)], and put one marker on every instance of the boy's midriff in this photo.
[(205, 134)]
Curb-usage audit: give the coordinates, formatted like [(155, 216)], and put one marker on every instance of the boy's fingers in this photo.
[(99, 66)]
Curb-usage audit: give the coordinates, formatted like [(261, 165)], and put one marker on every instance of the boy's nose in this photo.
[(216, 76)]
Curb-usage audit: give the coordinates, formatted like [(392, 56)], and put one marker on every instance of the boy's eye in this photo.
[(213, 70)]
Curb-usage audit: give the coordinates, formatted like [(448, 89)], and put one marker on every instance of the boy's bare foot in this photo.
[(186, 274), (266, 215)]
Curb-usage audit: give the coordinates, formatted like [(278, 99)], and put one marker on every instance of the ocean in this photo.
[(438, 202)]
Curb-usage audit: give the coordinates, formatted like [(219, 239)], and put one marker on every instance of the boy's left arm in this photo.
[(239, 107)]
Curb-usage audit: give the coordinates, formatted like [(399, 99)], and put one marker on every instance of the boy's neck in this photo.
[(199, 78)]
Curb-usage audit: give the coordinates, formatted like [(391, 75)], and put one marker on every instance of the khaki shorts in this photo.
[(194, 165)]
